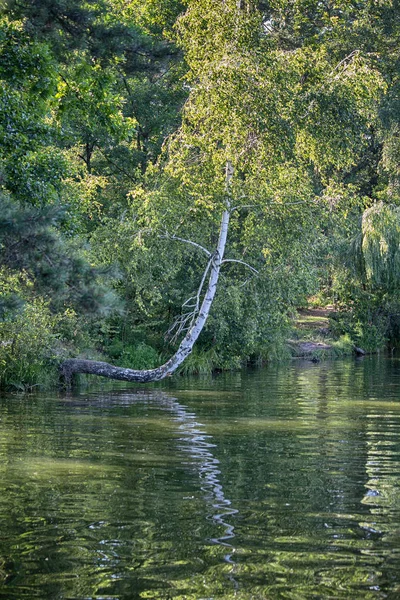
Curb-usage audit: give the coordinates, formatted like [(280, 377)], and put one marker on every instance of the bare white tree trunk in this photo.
[(76, 365)]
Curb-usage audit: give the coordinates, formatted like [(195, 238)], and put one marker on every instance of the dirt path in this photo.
[(314, 318), (317, 312), (312, 326)]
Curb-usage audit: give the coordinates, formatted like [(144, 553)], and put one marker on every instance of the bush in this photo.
[(202, 362), (344, 346), (27, 344), (366, 328), (372, 336), (139, 357)]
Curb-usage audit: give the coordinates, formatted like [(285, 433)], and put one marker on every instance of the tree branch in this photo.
[(180, 323), (240, 207), (179, 239), (241, 262), (71, 366), (346, 62), (113, 164)]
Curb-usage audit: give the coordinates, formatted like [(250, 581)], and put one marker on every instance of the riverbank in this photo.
[(313, 336)]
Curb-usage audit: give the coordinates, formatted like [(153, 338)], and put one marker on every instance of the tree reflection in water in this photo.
[(128, 494), (198, 445)]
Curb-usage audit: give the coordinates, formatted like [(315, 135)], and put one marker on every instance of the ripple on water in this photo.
[(280, 483)]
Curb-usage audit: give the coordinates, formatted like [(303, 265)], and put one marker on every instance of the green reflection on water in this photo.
[(280, 483)]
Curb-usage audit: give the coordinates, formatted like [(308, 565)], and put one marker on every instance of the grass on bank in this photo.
[(31, 347)]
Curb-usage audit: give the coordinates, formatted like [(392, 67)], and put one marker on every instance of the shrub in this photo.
[(140, 356), (27, 344)]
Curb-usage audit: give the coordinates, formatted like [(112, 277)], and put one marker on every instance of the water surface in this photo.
[(277, 483)]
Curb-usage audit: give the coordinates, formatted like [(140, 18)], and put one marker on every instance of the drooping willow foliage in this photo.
[(381, 245)]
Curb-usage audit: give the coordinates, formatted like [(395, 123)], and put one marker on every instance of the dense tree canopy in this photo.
[(117, 122)]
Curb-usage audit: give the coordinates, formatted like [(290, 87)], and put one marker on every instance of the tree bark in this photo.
[(103, 369)]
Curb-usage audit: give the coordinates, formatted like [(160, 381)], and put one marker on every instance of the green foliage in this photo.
[(116, 123), (366, 325), (344, 346), (139, 356), (86, 100), (381, 245), (372, 336), (157, 17), (205, 362), (30, 243), (30, 167), (28, 338), (45, 281), (366, 281), (102, 27), (295, 124)]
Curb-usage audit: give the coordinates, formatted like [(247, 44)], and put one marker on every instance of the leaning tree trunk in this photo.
[(103, 369)]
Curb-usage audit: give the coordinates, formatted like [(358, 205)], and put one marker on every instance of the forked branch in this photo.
[(185, 320), (71, 366)]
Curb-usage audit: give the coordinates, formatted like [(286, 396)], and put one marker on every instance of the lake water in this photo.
[(277, 483)]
